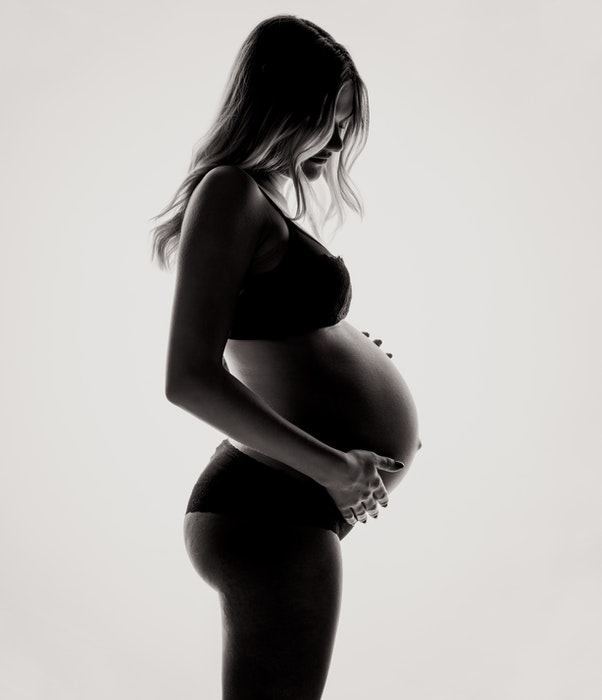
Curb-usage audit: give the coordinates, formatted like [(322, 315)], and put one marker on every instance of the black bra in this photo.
[(309, 288)]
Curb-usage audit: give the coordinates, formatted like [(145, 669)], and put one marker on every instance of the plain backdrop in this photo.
[(477, 262)]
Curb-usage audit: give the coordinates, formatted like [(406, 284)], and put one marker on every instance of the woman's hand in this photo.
[(358, 489)]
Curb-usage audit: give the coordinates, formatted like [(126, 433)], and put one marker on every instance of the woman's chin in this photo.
[(311, 170)]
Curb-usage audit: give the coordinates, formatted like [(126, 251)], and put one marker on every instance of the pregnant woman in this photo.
[(320, 425)]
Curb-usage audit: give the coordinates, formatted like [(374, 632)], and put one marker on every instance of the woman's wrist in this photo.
[(328, 467)]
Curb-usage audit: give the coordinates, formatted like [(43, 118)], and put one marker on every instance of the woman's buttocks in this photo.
[(336, 384)]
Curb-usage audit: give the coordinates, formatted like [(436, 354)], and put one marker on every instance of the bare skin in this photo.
[(327, 405), (280, 594), (336, 384)]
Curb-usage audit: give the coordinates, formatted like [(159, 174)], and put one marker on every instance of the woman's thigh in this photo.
[(280, 588)]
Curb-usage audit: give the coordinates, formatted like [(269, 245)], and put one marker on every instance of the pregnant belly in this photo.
[(337, 385)]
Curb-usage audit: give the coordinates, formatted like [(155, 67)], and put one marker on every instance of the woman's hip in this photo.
[(229, 551), (234, 483)]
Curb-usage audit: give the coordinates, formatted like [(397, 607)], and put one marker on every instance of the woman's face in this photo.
[(313, 167)]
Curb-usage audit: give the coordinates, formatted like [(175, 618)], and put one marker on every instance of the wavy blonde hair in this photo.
[(277, 110)]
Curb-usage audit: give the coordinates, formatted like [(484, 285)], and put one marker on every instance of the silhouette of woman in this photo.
[(319, 421)]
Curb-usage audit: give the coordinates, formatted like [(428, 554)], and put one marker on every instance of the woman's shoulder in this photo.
[(227, 194), (230, 181)]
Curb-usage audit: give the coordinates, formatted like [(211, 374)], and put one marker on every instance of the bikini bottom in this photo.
[(235, 483)]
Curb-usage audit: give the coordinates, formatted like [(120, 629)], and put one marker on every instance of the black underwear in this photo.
[(235, 483)]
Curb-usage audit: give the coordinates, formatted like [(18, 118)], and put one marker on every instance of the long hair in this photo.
[(278, 110)]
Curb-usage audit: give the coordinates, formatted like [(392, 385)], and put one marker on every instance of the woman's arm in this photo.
[(222, 229)]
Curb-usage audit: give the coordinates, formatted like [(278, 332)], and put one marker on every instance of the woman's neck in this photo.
[(275, 184)]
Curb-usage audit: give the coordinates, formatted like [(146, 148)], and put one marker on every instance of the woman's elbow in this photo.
[(182, 389)]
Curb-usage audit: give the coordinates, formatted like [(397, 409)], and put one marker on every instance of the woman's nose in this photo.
[(335, 143)]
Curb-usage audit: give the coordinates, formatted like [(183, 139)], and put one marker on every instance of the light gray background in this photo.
[(478, 263)]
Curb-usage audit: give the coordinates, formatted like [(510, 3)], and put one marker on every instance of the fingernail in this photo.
[(399, 465)]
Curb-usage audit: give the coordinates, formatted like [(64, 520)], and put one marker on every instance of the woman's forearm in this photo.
[(221, 400)]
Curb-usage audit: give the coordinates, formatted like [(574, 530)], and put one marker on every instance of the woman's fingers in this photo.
[(371, 507), (376, 341), (349, 516), (368, 507), (360, 513), (390, 465), (365, 492), (381, 495)]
